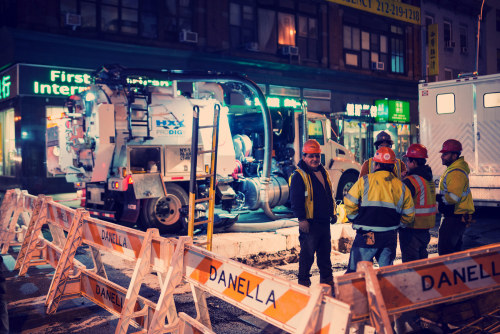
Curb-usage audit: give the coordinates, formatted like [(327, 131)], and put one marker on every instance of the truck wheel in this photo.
[(347, 180), (164, 213)]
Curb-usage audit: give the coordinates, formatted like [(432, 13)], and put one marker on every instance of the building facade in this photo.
[(357, 61)]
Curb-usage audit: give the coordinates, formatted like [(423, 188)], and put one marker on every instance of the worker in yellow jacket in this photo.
[(454, 198), (377, 205)]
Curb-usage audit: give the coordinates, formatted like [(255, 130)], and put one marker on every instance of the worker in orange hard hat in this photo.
[(414, 239), (311, 198), (383, 140), (376, 205), (454, 198)]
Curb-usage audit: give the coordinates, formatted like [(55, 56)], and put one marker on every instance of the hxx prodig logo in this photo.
[(171, 126)]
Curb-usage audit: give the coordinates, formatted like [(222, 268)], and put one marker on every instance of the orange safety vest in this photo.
[(425, 202)]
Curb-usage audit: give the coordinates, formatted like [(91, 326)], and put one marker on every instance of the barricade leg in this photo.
[(166, 306), (201, 306), (98, 264), (64, 266), (10, 215), (188, 325), (142, 267), (313, 307), (379, 317), (30, 241)]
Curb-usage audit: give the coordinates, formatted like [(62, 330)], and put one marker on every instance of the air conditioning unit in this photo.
[(378, 65), (464, 49), (74, 20), (449, 44), (187, 36), (289, 50), (252, 46)]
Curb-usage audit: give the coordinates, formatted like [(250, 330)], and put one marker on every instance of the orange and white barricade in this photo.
[(378, 293), (286, 305), (16, 204)]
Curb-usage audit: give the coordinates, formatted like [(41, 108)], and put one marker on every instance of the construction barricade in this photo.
[(286, 305), (377, 294)]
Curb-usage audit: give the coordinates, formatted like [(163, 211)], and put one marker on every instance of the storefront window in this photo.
[(8, 154), (355, 138)]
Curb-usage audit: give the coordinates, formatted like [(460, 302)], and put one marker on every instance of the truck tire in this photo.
[(164, 213), (347, 180)]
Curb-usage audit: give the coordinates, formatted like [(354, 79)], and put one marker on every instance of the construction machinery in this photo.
[(127, 141)]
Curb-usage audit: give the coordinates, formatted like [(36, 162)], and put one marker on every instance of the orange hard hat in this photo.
[(451, 145), (311, 146), (385, 155), (416, 151)]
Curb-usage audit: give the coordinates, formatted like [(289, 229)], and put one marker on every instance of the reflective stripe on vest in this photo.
[(398, 207), (396, 171), (455, 197), (309, 201), (423, 207)]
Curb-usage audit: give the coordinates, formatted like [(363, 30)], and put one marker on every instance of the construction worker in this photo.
[(415, 238), (376, 205), (383, 140), (454, 198), (312, 203)]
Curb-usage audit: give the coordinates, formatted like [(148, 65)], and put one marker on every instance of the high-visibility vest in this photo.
[(463, 202), (397, 167), (309, 195), (425, 202)]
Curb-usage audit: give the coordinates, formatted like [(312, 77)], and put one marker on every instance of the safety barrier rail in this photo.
[(284, 304), (376, 294)]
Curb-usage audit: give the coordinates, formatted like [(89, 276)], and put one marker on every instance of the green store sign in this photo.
[(37, 80), (392, 111)]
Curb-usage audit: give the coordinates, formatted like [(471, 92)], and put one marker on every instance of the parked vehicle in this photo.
[(466, 109)]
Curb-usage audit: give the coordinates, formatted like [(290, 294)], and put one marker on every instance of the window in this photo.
[(178, 17), (445, 103), (447, 36), (267, 30), (242, 26), (315, 131), (307, 37), (365, 49), (498, 19), (397, 50), (448, 74), (491, 100), (463, 38), (126, 17), (8, 153), (286, 29)]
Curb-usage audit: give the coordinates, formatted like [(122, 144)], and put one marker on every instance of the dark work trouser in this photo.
[(384, 249), (413, 243), (451, 232), (317, 241)]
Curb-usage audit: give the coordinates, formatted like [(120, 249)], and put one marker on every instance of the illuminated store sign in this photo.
[(393, 111), (355, 109), (8, 83)]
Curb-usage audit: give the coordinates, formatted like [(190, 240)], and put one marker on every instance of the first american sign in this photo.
[(389, 8)]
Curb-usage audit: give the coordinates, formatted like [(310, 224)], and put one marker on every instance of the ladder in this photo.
[(209, 172), (141, 113)]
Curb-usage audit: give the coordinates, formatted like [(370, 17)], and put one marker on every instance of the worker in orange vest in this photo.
[(415, 238)]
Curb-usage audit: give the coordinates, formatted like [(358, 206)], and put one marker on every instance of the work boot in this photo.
[(305, 283), (331, 284)]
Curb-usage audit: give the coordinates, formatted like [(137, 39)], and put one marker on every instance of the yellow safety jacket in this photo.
[(309, 195), (397, 167), (454, 186), (379, 202), (425, 202)]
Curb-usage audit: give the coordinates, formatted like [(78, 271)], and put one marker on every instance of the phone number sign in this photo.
[(390, 8)]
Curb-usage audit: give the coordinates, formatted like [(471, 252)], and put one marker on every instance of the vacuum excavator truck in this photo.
[(126, 141)]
